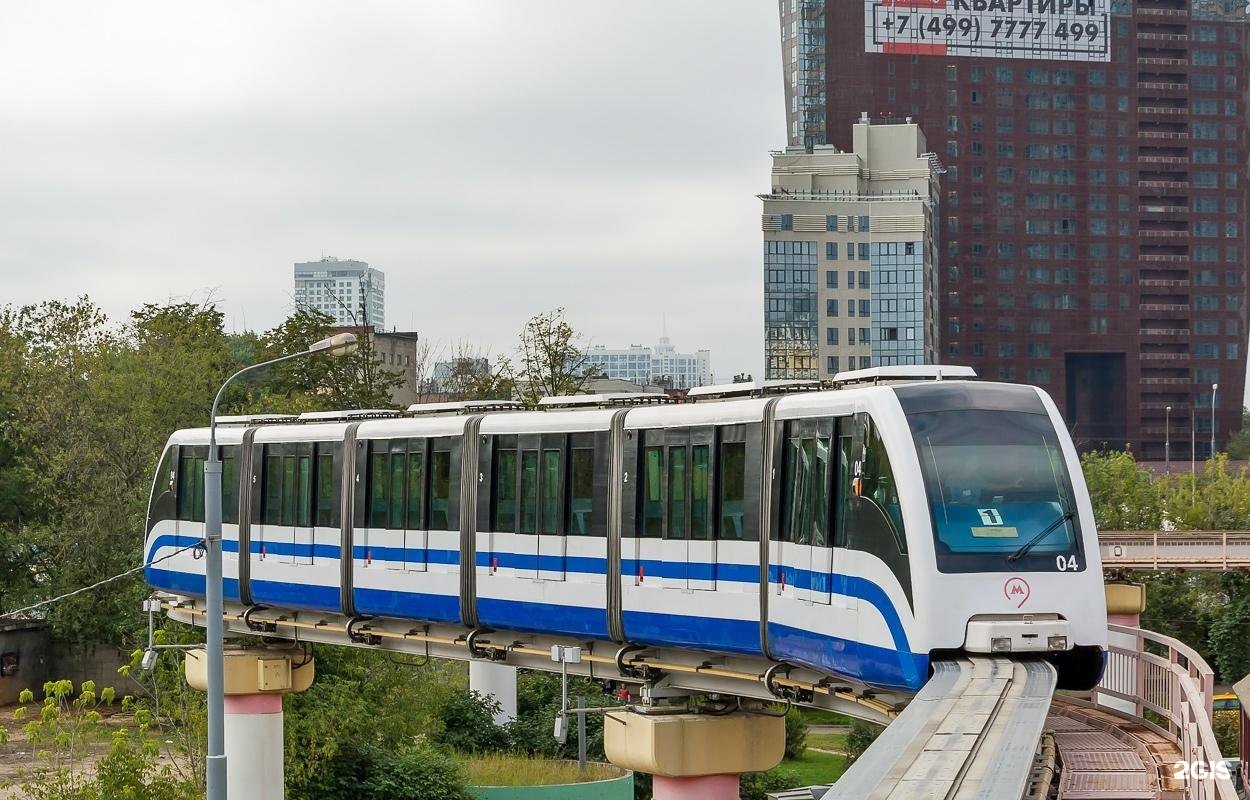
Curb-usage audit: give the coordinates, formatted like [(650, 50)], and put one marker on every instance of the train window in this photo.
[(416, 485), (379, 484), (733, 484), (440, 490), (877, 484), (653, 492), (677, 493), (551, 492), (581, 491), (505, 491), (398, 479), (845, 476), (325, 489), (700, 520), (529, 491), (229, 484), (191, 486), (805, 488), (273, 489), (303, 507), (288, 491)]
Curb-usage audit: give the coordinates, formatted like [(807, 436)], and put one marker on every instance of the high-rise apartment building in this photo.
[(352, 292), (1094, 203), (850, 252), (647, 365)]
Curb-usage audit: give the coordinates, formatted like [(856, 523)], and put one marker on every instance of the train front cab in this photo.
[(1013, 537)]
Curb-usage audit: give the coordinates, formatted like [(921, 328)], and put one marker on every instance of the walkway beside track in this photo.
[(1105, 755), (970, 733)]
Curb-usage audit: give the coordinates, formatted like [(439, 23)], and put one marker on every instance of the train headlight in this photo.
[(1057, 642), (1000, 644)]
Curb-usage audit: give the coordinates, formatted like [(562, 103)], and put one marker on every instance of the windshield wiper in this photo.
[(1036, 540)]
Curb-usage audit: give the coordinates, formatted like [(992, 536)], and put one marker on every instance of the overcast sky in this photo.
[(494, 158)]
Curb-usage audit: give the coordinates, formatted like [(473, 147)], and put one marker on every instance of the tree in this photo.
[(321, 382), (1239, 444), (551, 360)]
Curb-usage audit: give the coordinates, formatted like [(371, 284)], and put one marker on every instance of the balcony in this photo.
[(1162, 110), (1163, 87), (1163, 159), (1163, 134), (1165, 282), (1164, 356), (1162, 12), (1163, 37), (1167, 381), (1168, 258), (1168, 332), (1163, 184), (1168, 62), (1155, 405), (1163, 307), (1163, 209), (1163, 234)]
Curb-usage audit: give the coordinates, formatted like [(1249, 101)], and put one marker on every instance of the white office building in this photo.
[(351, 291), (660, 364)]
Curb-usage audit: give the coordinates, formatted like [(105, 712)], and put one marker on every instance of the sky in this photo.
[(495, 158)]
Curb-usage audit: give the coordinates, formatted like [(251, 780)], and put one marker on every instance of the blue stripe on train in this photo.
[(898, 667)]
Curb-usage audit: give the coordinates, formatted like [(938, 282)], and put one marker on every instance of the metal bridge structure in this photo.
[(1171, 550)]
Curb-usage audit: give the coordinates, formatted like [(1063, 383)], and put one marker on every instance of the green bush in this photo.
[(469, 724), (757, 785), (796, 733), (416, 772), (862, 735)]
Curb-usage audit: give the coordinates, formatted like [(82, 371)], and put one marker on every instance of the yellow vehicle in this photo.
[(1225, 702)]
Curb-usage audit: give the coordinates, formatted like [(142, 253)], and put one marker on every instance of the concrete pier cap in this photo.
[(255, 670), (694, 745)]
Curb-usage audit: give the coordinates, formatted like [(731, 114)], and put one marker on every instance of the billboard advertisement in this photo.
[(1053, 30)]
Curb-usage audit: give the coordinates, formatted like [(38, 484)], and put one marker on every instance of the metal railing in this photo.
[(1177, 686)]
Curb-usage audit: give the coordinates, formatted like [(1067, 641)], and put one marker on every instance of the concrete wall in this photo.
[(24, 660)]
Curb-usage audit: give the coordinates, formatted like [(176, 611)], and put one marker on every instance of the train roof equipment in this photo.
[(606, 400), (727, 391), (351, 415), (463, 407), (256, 419), (903, 372)]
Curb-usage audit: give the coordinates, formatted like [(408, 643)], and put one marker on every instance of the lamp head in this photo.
[(340, 344), (1168, 409), (1215, 387)]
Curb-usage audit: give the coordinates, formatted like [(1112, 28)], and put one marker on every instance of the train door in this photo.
[(529, 472), (844, 460), (802, 559), (551, 482), (302, 535), (701, 543), (414, 525)]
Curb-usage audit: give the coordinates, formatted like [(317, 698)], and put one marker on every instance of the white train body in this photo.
[(889, 522)]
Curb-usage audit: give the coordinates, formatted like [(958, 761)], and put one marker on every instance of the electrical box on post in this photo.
[(273, 674)]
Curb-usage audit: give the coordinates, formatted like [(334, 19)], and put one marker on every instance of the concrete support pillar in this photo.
[(702, 787), (694, 755), (1125, 603), (497, 681), (254, 746), (255, 681)]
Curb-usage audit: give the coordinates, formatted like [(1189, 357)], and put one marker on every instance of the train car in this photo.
[(857, 528)]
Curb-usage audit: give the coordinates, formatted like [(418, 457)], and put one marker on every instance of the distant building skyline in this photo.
[(350, 291), (646, 365)]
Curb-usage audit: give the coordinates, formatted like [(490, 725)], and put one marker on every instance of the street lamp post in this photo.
[(1215, 387), (215, 762), (1167, 440)]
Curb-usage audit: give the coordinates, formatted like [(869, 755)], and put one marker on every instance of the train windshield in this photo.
[(999, 491)]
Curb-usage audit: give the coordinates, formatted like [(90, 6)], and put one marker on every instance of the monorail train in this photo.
[(856, 530)]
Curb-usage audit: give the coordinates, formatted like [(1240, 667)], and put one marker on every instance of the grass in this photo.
[(827, 741), (815, 767), (508, 770), (819, 716)]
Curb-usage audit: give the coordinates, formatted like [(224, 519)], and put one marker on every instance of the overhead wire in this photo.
[(132, 571)]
